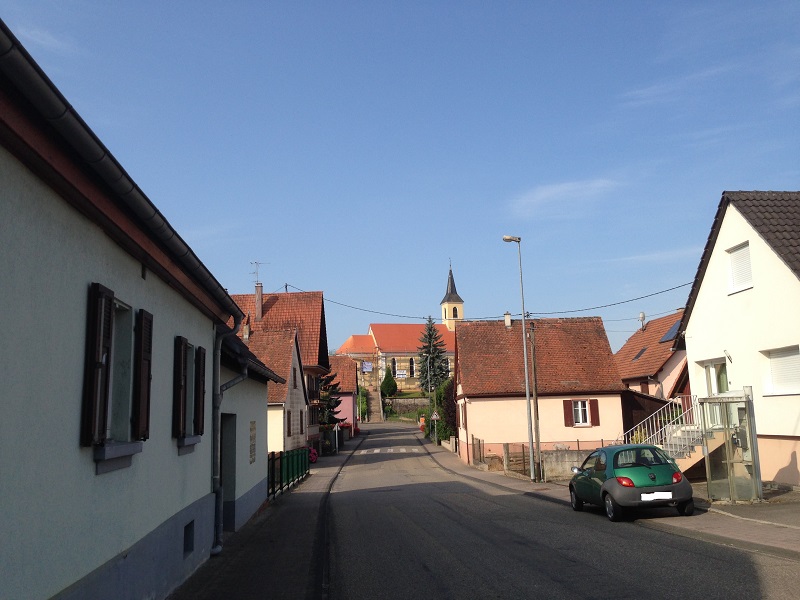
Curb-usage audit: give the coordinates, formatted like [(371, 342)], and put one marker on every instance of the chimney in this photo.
[(259, 300)]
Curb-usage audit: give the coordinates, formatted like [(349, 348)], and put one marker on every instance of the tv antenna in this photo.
[(257, 264)]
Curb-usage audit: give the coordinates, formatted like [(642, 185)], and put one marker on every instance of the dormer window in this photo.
[(741, 273)]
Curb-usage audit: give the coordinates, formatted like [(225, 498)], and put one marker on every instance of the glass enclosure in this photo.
[(730, 447)]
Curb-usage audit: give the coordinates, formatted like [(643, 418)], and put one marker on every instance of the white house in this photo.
[(741, 326), (114, 377)]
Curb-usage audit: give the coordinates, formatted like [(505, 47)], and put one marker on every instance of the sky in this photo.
[(362, 148)]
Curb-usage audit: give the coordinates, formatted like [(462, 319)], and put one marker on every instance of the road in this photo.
[(399, 526)]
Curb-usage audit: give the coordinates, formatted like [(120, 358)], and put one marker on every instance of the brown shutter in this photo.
[(199, 389), (179, 389), (142, 374), (99, 335), (569, 417), (594, 412)]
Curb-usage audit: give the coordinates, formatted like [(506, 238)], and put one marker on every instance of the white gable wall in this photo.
[(746, 324)]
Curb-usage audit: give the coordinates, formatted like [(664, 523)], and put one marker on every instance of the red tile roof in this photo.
[(573, 356), (633, 362), (275, 348), (357, 344), (346, 370), (304, 311), (396, 338)]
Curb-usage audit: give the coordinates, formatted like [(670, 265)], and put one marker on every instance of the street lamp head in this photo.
[(512, 238)]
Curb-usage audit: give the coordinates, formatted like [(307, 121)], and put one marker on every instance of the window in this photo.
[(394, 367), (302, 421), (116, 396), (455, 312), (288, 423), (716, 376), (784, 370), (581, 413), (411, 372), (294, 377), (741, 272), (189, 390)]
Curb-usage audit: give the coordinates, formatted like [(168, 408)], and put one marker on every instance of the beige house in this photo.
[(288, 401), (741, 326), (576, 382)]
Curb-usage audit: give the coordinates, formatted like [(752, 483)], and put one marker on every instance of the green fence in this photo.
[(287, 469)]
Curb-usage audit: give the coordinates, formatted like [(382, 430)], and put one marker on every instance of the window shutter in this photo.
[(199, 389), (741, 273), (179, 389), (785, 370), (97, 361), (569, 418), (594, 412), (142, 374)]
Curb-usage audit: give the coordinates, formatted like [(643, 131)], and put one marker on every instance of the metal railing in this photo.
[(676, 427), (286, 469)]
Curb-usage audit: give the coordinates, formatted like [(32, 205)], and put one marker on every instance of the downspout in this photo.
[(216, 417)]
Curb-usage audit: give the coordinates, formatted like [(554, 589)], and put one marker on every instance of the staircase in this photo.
[(374, 406), (676, 427)]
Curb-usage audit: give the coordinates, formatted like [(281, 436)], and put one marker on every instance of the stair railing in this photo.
[(674, 427)]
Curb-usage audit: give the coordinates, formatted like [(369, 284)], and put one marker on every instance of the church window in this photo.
[(455, 312)]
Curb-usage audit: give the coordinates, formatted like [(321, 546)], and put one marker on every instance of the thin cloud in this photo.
[(561, 200), (658, 257), (43, 39), (672, 90)]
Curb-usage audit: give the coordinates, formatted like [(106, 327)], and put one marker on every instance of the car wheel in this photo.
[(613, 510), (577, 503), (686, 509)]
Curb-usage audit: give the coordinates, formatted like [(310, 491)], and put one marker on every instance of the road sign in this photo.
[(435, 416)]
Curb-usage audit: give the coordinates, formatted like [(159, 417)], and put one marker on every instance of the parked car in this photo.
[(633, 475)]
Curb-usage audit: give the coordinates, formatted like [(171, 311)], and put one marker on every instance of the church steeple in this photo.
[(452, 304)]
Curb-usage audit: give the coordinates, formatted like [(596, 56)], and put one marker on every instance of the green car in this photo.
[(633, 475)]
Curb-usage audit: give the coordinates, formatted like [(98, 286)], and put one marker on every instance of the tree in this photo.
[(388, 385), (329, 400), (433, 366)]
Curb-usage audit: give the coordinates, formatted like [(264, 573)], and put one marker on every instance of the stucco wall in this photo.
[(505, 420), (56, 511), (275, 437), (746, 324)]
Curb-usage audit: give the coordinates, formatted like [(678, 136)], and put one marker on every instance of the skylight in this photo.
[(640, 353)]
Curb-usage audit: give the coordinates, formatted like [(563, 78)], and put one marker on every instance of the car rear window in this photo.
[(643, 457)]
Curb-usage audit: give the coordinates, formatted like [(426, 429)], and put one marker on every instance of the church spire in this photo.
[(452, 304)]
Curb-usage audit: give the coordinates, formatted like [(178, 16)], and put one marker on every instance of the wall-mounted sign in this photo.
[(366, 367), (402, 373)]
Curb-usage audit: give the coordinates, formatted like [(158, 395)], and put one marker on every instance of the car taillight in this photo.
[(677, 477), (625, 482)]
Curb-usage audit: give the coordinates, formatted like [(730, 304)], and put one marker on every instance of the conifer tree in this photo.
[(329, 399), (388, 385), (433, 372)]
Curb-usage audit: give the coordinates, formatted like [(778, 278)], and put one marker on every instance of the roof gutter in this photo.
[(39, 90)]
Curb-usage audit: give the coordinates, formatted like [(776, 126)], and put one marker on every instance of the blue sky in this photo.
[(359, 147)]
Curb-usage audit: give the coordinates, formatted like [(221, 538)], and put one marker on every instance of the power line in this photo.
[(559, 312)]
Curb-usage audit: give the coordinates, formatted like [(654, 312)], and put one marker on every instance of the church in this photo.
[(396, 345)]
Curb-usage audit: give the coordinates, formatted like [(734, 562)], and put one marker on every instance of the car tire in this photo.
[(577, 503), (613, 510), (686, 509)]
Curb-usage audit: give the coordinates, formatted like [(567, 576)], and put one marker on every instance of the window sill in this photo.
[(744, 289), (112, 455), (186, 444), (582, 425)]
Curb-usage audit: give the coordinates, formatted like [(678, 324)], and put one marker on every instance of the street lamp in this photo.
[(518, 240)]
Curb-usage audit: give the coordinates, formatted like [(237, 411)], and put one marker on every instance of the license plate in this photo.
[(657, 496)]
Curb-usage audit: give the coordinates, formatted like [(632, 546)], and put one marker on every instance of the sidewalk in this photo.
[(771, 527)]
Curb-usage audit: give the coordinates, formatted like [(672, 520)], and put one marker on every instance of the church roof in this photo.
[(357, 344), (451, 295), (402, 337)]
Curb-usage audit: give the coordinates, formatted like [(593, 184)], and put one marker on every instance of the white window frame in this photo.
[(580, 413), (741, 271), (783, 373)]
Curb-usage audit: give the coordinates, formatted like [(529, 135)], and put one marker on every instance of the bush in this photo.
[(388, 385)]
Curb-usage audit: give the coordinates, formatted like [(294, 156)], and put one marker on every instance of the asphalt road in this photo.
[(400, 526)]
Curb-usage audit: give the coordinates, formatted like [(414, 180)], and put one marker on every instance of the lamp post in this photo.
[(518, 240)]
